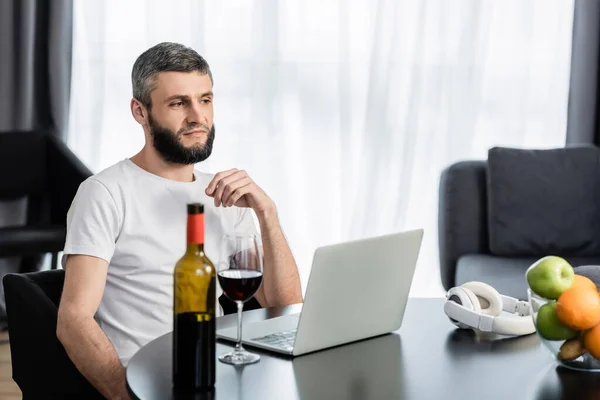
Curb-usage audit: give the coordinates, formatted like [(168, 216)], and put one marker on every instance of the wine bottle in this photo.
[(194, 346)]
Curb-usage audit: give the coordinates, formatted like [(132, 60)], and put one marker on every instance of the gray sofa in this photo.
[(498, 216)]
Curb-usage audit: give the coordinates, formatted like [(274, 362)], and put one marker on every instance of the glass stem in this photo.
[(240, 308)]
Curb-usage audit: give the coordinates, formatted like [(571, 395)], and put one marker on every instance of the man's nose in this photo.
[(195, 116)]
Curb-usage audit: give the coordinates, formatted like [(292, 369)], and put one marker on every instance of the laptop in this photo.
[(356, 290)]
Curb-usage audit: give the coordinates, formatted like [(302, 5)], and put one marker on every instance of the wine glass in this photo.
[(240, 270)]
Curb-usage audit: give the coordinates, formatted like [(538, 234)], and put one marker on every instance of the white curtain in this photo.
[(345, 112)]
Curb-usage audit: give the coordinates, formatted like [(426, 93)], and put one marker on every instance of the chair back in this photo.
[(40, 365), (22, 178)]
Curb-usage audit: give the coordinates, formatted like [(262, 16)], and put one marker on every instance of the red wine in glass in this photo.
[(240, 272), (240, 284)]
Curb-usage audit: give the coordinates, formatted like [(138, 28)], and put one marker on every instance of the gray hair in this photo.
[(163, 57)]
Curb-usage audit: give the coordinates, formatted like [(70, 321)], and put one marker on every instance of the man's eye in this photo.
[(205, 101), (177, 104)]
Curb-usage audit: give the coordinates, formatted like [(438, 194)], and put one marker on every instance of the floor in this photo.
[(8, 388)]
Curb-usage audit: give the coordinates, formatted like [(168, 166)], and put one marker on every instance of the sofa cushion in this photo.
[(507, 275), (543, 202)]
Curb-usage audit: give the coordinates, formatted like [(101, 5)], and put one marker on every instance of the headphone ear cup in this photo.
[(475, 306), (488, 298), (465, 298)]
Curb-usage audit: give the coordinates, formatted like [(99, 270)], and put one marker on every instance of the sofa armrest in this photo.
[(462, 218)]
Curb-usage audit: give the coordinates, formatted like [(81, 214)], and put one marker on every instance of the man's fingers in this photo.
[(217, 178), (223, 184), (231, 187), (215, 181), (218, 192), (238, 193)]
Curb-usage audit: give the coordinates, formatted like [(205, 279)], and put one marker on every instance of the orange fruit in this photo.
[(579, 308), (591, 341), (583, 282)]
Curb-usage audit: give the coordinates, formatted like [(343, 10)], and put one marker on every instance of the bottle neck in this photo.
[(195, 233), (195, 248)]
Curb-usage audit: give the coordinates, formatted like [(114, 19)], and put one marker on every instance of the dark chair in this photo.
[(40, 364), (41, 170), (498, 216)]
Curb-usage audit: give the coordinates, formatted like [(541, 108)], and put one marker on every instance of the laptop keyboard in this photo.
[(284, 340)]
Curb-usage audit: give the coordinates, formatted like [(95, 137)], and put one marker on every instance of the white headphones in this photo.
[(477, 305)]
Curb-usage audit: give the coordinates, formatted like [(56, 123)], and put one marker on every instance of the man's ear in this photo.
[(139, 112)]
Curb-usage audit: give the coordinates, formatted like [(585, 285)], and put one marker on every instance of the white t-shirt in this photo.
[(136, 221)]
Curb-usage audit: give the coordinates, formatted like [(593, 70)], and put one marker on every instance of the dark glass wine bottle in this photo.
[(194, 290)]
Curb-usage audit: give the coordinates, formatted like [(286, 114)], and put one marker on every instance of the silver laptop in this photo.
[(356, 290)]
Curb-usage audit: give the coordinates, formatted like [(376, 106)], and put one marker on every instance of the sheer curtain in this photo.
[(345, 112)]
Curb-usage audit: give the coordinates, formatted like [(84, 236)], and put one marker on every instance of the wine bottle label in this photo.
[(195, 229), (193, 293)]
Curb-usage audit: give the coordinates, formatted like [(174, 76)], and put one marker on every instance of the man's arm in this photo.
[(83, 339), (281, 281)]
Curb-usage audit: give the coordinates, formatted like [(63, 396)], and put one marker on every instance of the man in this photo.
[(127, 224)]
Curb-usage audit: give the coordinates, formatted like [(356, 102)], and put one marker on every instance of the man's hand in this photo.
[(281, 281), (236, 188)]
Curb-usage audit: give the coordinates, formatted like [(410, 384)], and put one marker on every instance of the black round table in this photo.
[(427, 358)]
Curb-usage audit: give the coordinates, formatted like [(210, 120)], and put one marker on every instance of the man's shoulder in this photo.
[(110, 179), (115, 173)]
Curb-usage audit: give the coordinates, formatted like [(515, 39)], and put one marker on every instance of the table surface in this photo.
[(427, 358)]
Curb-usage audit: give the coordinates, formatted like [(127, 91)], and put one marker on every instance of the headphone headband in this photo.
[(515, 306)]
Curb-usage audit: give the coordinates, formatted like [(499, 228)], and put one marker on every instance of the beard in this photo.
[(168, 144)]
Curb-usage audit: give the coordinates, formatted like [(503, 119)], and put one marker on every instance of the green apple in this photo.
[(549, 326), (548, 277)]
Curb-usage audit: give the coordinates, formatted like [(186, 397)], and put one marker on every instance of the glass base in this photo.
[(239, 358)]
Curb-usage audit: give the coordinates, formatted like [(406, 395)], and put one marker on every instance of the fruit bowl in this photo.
[(571, 352), (565, 308)]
